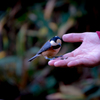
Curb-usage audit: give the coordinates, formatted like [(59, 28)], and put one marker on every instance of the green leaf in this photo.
[(20, 42), (50, 82), (10, 61)]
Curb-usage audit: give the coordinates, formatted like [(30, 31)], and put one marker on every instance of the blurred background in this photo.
[(24, 27)]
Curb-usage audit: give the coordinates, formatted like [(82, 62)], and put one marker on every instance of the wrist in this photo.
[(98, 33)]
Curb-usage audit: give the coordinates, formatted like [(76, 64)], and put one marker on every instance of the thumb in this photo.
[(73, 37)]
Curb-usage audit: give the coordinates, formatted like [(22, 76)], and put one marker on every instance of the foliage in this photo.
[(23, 32)]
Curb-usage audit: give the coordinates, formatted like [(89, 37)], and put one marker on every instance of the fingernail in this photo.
[(49, 62), (56, 64)]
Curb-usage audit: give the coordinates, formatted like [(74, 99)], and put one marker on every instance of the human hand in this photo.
[(86, 55)]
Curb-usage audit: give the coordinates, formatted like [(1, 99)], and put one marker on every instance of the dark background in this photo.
[(24, 28)]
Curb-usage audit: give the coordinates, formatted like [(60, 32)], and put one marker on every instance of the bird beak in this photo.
[(59, 44)]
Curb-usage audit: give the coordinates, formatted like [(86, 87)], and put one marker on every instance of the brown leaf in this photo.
[(49, 8), (71, 90)]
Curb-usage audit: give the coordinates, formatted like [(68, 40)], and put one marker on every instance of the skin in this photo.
[(86, 55)]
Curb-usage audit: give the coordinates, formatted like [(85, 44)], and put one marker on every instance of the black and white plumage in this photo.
[(49, 49)]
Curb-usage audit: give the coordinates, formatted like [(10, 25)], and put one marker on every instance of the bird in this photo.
[(49, 49)]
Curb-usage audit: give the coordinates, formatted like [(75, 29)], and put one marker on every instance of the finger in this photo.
[(60, 63), (71, 62), (51, 62), (65, 56), (79, 62), (73, 37), (63, 63)]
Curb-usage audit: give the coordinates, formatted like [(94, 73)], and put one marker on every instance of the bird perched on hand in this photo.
[(49, 49)]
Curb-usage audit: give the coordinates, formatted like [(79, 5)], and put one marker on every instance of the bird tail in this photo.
[(33, 58)]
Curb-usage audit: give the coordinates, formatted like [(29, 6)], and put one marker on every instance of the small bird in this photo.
[(49, 49)]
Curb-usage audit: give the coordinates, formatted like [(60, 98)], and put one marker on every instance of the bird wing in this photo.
[(45, 47)]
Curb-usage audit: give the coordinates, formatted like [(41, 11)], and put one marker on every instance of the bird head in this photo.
[(56, 42)]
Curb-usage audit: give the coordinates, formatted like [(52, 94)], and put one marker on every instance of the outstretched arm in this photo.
[(87, 55)]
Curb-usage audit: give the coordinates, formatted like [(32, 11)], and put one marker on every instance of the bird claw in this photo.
[(47, 58), (56, 57), (63, 58), (50, 58)]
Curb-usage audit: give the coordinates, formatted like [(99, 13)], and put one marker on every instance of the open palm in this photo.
[(87, 55)]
